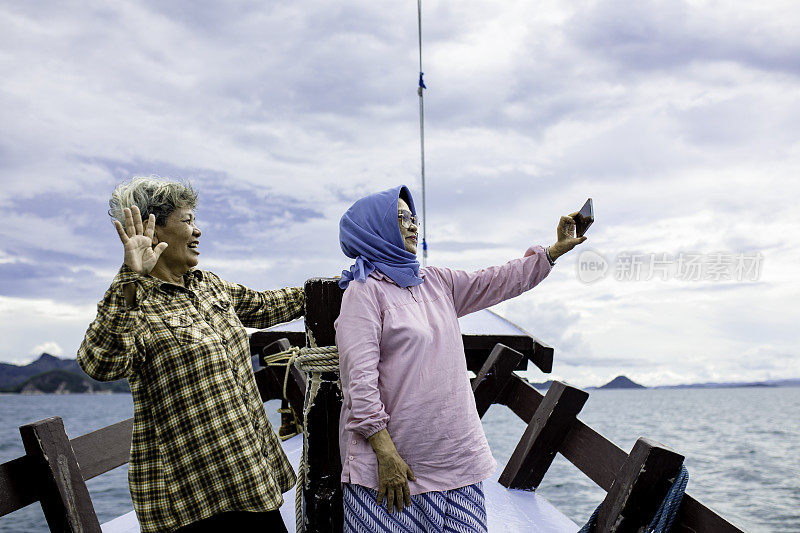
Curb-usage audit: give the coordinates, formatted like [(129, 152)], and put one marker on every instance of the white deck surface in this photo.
[(509, 511)]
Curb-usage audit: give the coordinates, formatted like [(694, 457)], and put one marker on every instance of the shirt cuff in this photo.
[(549, 259)]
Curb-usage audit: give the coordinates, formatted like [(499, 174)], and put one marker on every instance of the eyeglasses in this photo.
[(407, 219)]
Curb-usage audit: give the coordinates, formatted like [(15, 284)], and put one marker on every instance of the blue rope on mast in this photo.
[(667, 512), (421, 83)]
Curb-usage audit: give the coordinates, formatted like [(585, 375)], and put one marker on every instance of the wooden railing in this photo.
[(54, 469), (635, 483)]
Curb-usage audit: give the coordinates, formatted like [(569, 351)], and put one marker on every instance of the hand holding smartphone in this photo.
[(584, 218)]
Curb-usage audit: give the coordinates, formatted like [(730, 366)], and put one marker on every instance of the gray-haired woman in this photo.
[(203, 455)]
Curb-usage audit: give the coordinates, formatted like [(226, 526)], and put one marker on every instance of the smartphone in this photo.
[(585, 218)]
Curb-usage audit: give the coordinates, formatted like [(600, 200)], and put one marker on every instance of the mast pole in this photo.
[(422, 137)]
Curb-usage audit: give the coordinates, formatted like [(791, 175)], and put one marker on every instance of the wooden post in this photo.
[(322, 494), (65, 499), (639, 488), (546, 431), (494, 376)]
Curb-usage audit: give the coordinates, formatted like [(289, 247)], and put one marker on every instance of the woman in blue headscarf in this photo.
[(409, 431)]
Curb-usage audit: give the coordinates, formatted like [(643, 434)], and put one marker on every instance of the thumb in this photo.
[(410, 475), (160, 247), (583, 238)]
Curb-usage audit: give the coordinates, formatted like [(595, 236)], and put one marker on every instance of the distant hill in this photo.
[(11, 375), (50, 374), (65, 382), (622, 382), (544, 385), (736, 384)]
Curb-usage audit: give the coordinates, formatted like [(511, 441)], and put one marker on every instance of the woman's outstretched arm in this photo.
[(477, 290)]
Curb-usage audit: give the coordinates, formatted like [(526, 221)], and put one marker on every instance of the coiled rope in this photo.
[(312, 361), (285, 359), (667, 511)]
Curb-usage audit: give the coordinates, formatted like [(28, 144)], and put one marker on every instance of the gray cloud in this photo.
[(658, 34), (679, 120)]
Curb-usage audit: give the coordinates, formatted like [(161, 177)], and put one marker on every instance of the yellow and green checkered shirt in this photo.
[(202, 443)]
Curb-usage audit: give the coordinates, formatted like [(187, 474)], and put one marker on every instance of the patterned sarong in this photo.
[(453, 511)]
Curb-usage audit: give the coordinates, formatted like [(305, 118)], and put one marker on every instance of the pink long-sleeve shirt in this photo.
[(402, 366)]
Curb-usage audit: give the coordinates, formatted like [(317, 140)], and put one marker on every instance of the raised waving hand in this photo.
[(140, 255)]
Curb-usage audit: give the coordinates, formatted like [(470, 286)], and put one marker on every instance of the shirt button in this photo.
[(354, 442), (351, 457), (224, 341)]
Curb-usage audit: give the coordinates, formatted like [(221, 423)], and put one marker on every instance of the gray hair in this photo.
[(152, 195)]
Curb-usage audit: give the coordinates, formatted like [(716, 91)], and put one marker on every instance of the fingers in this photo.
[(410, 475), (573, 215), (129, 227), (390, 499), (381, 493), (566, 222), (399, 499), (137, 220), (133, 222), (150, 226), (122, 235), (406, 495)]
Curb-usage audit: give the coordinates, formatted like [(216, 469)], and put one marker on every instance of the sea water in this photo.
[(742, 448)]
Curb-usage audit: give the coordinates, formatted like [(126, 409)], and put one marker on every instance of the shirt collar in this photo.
[(128, 275), (380, 276)]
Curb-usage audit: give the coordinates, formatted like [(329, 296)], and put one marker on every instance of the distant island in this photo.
[(619, 382), (53, 375), (624, 382)]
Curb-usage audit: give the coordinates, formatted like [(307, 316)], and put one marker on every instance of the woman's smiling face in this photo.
[(409, 234), (183, 236)]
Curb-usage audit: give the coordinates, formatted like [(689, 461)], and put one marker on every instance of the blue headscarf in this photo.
[(369, 232)]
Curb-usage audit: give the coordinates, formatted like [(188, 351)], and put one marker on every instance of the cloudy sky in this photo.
[(681, 119)]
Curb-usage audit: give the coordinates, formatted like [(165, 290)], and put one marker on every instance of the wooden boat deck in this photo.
[(511, 511)]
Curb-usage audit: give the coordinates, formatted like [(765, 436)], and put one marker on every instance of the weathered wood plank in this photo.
[(322, 499), (543, 437), (478, 347), (65, 499), (103, 450), (262, 338), (695, 517), (593, 454), (493, 377), (269, 381), (18, 484), (639, 487), (521, 397)]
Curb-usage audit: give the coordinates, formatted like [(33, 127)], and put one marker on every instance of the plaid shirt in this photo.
[(202, 443)]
